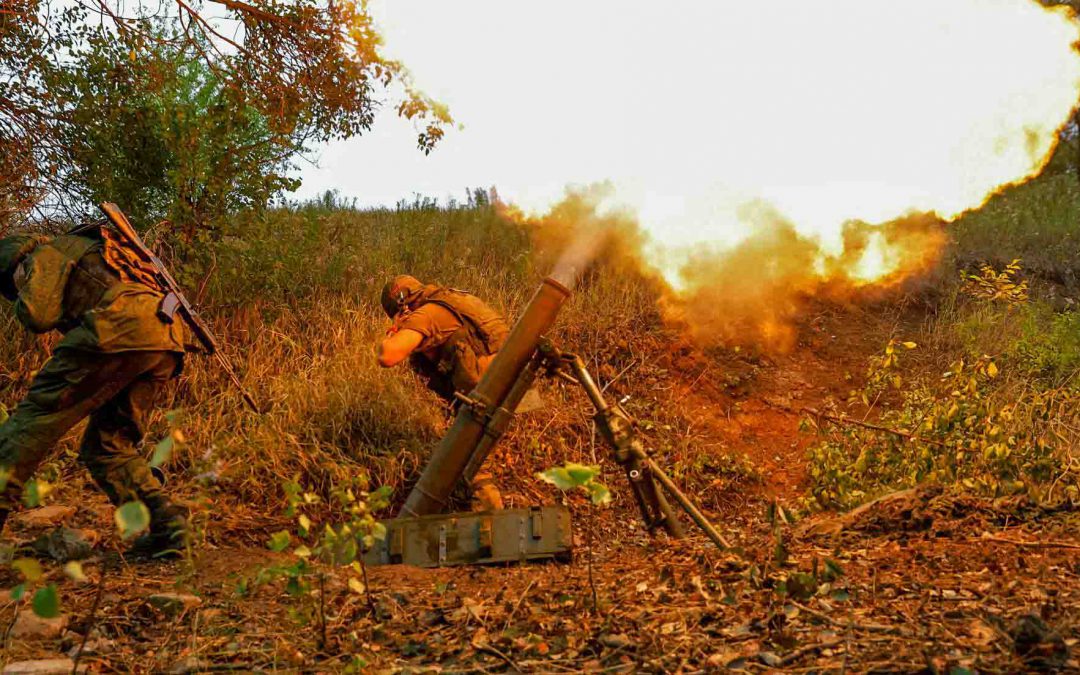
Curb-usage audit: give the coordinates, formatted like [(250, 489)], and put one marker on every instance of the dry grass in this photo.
[(294, 296)]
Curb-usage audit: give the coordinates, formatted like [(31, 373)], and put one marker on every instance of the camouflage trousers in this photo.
[(116, 391)]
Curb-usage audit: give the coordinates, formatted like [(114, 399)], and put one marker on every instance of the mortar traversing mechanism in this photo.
[(423, 534)]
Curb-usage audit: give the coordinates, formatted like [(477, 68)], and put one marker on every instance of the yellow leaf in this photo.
[(992, 370), (74, 571), (909, 345), (29, 568), (356, 585)]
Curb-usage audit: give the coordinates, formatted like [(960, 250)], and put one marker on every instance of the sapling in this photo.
[(573, 476)]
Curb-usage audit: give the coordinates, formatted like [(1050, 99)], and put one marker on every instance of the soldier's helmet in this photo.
[(12, 251), (397, 291)]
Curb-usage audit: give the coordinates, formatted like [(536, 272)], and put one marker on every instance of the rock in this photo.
[(45, 516), (770, 659), (31, 626), (41, 667), (173, 604), (64, 544)]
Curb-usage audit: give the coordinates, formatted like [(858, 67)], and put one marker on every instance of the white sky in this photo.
[(831, 109)]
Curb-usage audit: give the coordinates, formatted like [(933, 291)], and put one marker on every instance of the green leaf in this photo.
[(380, 498), (132, 519), (582, 474), (279, 541), (162, 451), (18, 592), (559, 477), (599, 493), (46, 603), (29, 568), (378, 531), (35, 492)]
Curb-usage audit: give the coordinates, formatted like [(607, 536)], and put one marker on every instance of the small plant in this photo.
[(1004, 286), (340, 544), (965, 429), (571, 477)]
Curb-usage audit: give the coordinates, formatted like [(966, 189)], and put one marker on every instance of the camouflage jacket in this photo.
[(461, 333), (68, 286)]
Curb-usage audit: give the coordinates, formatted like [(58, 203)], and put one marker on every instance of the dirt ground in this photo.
[(917, 582)]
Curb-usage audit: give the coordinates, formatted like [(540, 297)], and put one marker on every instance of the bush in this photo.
[(969, 428)]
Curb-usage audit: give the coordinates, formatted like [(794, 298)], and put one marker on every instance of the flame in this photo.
[(802, 136)]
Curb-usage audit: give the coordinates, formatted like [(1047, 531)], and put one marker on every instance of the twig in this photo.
[(322, 610), (11, 626), (485, 647), (592, 581), (367, 586), (869, 627), (1032, 544), (517, 606), (803, 651), (92, 616), (843, 419)]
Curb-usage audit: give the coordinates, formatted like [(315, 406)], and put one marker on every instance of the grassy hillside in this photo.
[(294, 294)]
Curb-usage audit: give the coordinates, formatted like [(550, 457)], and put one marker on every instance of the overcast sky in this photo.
[(830, 110)]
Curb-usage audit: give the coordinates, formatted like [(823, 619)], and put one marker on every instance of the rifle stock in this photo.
[(175, 301)]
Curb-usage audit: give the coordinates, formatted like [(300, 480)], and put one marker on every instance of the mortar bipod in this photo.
[(642, 471)]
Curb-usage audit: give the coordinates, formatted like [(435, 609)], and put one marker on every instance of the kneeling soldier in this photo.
[(114, 357), (449, 338)]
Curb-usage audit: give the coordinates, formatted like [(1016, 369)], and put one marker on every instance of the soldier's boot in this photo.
[(169, 535), (485, 494)]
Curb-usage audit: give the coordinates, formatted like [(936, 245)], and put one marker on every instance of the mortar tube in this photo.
[(500, 419), (447, 464)]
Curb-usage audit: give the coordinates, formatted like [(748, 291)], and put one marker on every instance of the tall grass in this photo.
[(1038, 222), (294, 294)]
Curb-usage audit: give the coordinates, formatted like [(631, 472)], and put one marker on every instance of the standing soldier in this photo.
[(449, 338), (115, 356)]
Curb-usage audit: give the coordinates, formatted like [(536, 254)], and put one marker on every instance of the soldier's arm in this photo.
[(397, 347)]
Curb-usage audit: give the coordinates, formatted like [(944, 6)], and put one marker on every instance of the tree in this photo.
[(164, 136), (290, 74)]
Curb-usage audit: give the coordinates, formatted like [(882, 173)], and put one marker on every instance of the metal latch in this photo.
[(536, 520)]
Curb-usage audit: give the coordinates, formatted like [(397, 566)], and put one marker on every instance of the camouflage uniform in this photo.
[(114, 357), (461, 335)]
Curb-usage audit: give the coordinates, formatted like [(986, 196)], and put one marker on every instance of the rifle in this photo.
[(175, 301)]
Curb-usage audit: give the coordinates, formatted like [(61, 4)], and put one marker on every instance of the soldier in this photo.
[(449, 337), (113, 359)]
